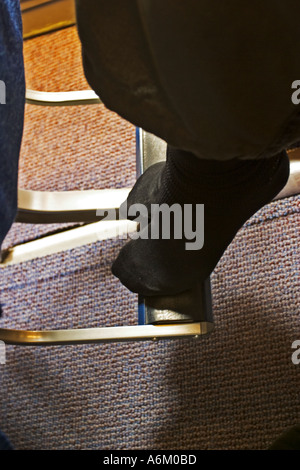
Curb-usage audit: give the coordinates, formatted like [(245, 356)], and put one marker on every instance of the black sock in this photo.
[(231, 191)]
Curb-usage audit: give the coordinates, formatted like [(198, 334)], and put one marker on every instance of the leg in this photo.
[(214, 81), (231, 192), (12, 100)]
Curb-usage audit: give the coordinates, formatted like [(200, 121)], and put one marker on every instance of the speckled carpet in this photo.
[(235, 389)]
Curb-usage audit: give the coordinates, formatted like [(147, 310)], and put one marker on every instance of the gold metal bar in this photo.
[(64, 98), (42, 207), (293, 185), (42, 16), (64, 201), (66, 240), (103, 335)]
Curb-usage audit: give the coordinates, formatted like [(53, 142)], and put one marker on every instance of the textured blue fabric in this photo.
[(12, 99), (4, 442)]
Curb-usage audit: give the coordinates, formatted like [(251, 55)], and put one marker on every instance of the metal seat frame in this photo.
[(183, 316)]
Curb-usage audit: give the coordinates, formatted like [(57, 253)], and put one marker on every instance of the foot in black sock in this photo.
[(231, 192)]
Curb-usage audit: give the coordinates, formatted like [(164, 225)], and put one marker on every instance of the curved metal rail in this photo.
[(81, 203), (40, 207), (293, 185), (104, 335), (65, 98)]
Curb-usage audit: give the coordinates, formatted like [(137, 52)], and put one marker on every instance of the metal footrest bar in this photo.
[(293, 185), (184, 315), (103, 335), (42, 207), (65, 98), (66, 240)]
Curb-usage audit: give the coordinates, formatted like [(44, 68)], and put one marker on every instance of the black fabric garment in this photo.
[(4, 442), (230, 191), (210, 77), (289, 440)]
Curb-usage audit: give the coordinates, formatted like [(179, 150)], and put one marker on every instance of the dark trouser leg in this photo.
[(12, 99), (214, 80)]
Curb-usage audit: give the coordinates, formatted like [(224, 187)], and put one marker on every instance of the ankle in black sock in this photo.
[(230, 191)]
